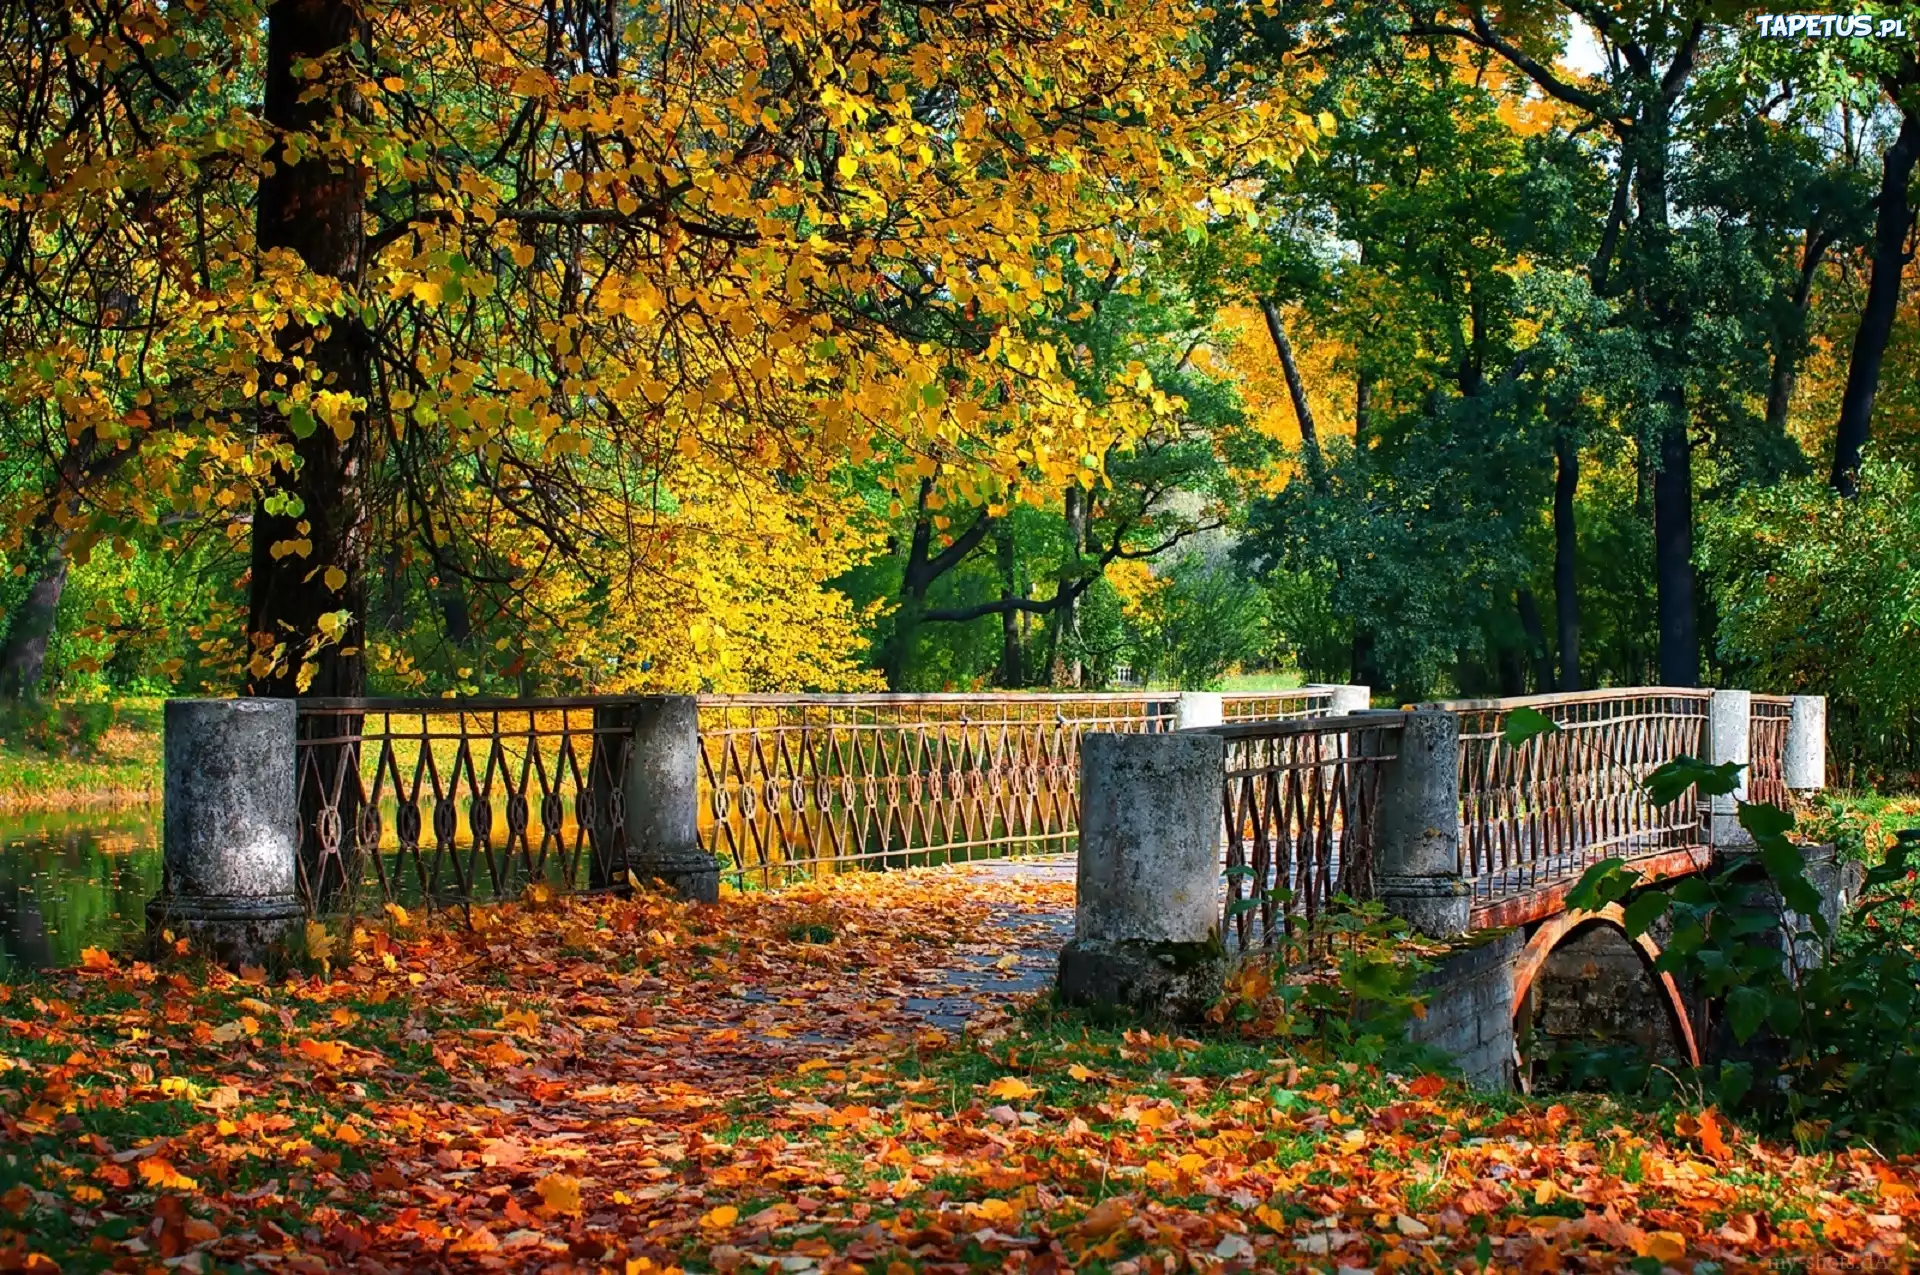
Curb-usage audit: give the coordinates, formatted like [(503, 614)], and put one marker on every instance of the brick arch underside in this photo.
[(1554, 929)]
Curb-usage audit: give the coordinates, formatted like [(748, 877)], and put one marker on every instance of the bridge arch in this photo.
[(1554, 929)]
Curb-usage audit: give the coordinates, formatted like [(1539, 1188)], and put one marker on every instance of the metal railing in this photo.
[(1547, 809), (440, 801), (457, 801), (1264, 706), (1299, 801), (792, 785), (1767, 718)]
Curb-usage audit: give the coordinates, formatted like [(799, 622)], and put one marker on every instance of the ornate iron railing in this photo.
[(1767, 718), (1299, 800), (442, 801), (1547, 809), (796, 784), (450, 801), (1268, 706)]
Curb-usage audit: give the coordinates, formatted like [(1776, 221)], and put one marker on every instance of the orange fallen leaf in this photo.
[(1105, 1218), (1712, 1140), (329, 1052), (1427, 1086), (94, 958), (725, 1215), (1663, 1246)]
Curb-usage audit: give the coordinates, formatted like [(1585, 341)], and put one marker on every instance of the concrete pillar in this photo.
[(1416, 854), (1350, 699), (1146, 932), (231, 882), (663, 799), (1806, 756), (1729, 739), (1198, 708)]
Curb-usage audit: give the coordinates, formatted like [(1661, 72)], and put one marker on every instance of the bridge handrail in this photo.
[(1299, 804), (1550, 807), (458, 799)]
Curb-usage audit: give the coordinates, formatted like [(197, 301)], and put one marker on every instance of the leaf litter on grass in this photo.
[(640, 1085)]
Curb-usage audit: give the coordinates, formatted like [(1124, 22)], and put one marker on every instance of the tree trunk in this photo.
[(1892, 224), (1066, 668), (313, 207), (1790, 346), (1566, 593), (1673, 469), (1673, 546), (1538, 656), (1297, 390), (23, 655), (1011, 662)]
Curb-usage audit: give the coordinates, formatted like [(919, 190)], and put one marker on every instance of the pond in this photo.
[(73, 880)]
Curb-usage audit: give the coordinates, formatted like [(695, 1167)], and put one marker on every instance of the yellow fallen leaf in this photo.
[(158, 1172), (1080, 1073), (725, 1215), (559, 1193), (1011, 1088), (1664, 1246)]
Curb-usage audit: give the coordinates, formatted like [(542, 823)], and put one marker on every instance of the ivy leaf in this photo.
[(1523, 724), (1644, 911), (1670, 782), (1607, 881), (1746, 1009)]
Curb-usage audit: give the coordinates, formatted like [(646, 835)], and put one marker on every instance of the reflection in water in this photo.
[(74, 880)]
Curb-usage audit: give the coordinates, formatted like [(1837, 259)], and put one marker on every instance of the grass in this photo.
[(69, 756)]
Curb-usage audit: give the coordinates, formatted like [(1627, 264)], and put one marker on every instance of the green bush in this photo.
[(58, 730), (1821, 595), (1825, 1020)]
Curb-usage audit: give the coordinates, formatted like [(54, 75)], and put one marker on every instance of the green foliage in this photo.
[(1346, 982), (1206, 620), (1825, 1023), (70, 730), (1821, 595)]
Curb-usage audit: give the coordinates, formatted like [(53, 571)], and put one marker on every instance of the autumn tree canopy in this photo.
[(561, 321)]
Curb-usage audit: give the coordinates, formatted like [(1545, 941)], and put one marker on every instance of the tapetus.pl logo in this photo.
[(1830, 26)]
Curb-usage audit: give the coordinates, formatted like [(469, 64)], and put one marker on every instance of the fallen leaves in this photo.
[(637, 1085)]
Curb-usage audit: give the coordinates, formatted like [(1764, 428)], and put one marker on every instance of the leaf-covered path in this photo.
[(782, 1083)]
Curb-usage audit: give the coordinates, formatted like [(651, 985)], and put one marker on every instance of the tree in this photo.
[(536, 306)]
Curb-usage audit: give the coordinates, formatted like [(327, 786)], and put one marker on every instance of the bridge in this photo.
[(445, 803)]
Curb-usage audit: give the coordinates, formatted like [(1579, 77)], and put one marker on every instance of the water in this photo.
[(74, 880)]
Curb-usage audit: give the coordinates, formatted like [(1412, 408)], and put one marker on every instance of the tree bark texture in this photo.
[(315, 209), (1893, 222), (1566, 591)]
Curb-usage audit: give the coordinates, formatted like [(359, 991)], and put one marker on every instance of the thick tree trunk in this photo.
[(1673, 467), (1893, 222), (1566, 593), (313, 207), (23, 655), (1316, 460), (1362, 410)]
